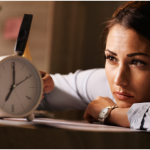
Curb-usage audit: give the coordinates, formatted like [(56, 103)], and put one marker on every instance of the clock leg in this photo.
[(30, 117)]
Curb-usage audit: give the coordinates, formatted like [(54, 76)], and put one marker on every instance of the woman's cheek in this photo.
[(110, 73)]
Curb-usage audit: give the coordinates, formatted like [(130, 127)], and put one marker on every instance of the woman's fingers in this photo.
[(48, 83), (90, 119), (91, 113), (93, 109)]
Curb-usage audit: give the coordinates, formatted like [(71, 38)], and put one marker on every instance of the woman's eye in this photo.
[(138, 63), (111, 58)]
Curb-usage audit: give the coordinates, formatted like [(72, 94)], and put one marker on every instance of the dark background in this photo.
[(76, 36)]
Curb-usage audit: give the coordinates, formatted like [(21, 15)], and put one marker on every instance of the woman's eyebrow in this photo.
[(134, 54), (128, 55), (111, 52)]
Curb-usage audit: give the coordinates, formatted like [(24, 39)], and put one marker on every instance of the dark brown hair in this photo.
[(132, 15)]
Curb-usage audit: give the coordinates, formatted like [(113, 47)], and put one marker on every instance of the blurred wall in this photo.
[(64, 35), (76, 34), (41, 29)]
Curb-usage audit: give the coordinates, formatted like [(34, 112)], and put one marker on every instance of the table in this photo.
[(62, 134)]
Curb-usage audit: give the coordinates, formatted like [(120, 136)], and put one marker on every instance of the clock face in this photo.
[(20, 86), (103, 112)]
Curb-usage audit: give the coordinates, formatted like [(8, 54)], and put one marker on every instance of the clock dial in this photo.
[(20, 86)]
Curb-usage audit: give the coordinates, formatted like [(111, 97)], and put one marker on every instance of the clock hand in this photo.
[(11, 89), (13, 85), (13, 66), (23, 80)]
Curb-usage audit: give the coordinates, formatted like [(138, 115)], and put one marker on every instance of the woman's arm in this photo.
[(135, 117), (139, 116), (118, 116), (76, 90)]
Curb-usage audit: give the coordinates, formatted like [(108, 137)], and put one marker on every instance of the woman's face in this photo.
[(127, 66)]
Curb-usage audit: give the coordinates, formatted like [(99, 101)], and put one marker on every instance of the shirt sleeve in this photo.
[(139, 116), (76, 90)]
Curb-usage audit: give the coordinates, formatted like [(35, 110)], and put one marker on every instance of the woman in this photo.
[(126, 97)]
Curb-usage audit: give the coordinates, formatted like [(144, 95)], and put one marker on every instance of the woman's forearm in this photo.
[(118, 116)]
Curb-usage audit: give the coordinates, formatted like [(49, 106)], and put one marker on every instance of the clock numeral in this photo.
[(22, 66), (3, 67), (12, 108), (28, 76), (29, 98)]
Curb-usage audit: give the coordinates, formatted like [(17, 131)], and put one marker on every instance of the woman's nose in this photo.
[(121, 76)]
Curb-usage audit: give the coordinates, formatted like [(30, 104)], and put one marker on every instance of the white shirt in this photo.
[(77, 90)]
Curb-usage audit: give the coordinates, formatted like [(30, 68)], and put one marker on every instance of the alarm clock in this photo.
[(21, 85)]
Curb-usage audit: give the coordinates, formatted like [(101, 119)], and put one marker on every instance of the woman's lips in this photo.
[(122, 95)]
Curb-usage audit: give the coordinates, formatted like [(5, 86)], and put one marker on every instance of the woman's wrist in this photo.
[(118, 116)]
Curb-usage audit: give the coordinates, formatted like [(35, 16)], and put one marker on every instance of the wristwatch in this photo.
[(104, 113)]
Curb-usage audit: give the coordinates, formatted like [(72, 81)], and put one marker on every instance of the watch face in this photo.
[(103, 113), (20, 86)]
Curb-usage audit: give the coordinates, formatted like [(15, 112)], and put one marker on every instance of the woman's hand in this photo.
[(94, 108), (118, 116), (48, 83)]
